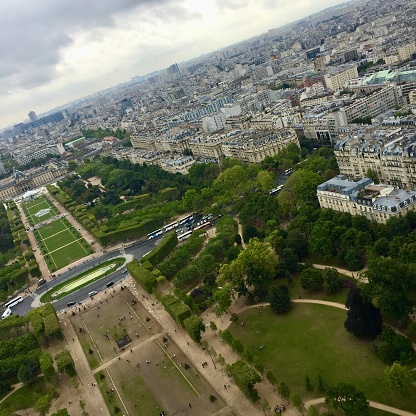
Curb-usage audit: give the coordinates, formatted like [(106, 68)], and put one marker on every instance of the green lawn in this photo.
[(61, 244), (23, 398), (311, 340), (31, 208), (49, 230)]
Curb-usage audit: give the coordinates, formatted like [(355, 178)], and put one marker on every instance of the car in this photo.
[(109, 284), (125, 271), (91, 294), (70, 304)]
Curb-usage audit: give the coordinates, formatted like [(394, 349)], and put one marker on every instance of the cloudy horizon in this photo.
[(55, 52)]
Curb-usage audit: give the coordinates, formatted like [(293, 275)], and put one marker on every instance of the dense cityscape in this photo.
[(251, 210)]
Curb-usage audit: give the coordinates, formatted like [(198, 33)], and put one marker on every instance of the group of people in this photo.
[(280, 409)]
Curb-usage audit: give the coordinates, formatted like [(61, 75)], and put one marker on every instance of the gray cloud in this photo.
[(32, 34)]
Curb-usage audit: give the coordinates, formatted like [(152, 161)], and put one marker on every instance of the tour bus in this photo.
[(154, 234), (13, 302), (186, 219), (288, 171), (169, 227), (185, 235), (275, 191), (202, 226)]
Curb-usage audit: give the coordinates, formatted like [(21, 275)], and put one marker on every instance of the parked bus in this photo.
[(170, 226), (275, 191), (288, 171), (186, 219), (185, 235), (154, 234), (13, 302), (202, 226)]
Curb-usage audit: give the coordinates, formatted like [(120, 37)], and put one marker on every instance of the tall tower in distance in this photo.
[(32, 116), (174, 72)]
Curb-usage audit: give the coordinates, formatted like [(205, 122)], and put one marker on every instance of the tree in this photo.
[(234, 318), (345, 396), (391, 282), (280, 299), (284, 390), (265, 406), (309, 386), (298, 402), (259, 263), (28, 371), (399, 379), (363, 319), (223, 299), (372, 174), (313, 411), (245, 377), (42, 404), (332, 280), (312, 279), (46, 365), (213, 326)]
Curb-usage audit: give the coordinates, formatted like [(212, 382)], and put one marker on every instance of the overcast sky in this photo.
[(54, 51)]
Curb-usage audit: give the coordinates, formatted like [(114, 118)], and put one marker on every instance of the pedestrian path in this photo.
[(376, 405)]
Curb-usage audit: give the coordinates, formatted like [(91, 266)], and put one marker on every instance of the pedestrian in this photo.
[(225, 387)]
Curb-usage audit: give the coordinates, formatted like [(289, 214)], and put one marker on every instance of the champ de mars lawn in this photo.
[(311, 340)]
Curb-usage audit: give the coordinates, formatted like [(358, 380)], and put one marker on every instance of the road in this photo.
[(137, 250)]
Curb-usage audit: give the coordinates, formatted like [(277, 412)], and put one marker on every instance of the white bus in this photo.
[(185, 235), (288, 171), (186, 219), (169, 227), (275, 191), (6, 313), (13, 302), (154, 234)]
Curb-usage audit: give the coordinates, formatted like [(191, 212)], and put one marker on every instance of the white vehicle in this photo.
[(91, 294), (185, 235), (6, 313), (13, 302)]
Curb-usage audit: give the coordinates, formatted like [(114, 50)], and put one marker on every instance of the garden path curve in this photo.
[(372, 404)]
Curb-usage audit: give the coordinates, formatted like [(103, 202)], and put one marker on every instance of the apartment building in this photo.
[(390, 152), (336, 78), (253, 146), (375, 202), (375, 103), (324, 126)]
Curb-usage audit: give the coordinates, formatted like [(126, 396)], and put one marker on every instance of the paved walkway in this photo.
[(372, 404)]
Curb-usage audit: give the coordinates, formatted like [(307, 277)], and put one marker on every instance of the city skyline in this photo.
[(68, 51)]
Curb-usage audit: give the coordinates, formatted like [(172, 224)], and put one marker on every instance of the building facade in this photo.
[(375, 202)]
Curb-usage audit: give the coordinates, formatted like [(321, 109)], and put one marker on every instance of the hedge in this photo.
[(181, 256), (65, 363), (163, 249), (178, 310), (142, 276), (136, 203), (132, 232), (194, 326)]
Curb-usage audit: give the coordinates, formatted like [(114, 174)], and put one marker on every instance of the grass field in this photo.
[(59, 241), (145, 388), (33, 207), (61, 244), (311, 340)]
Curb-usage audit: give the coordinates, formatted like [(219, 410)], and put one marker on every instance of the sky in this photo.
[(55, 51)]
